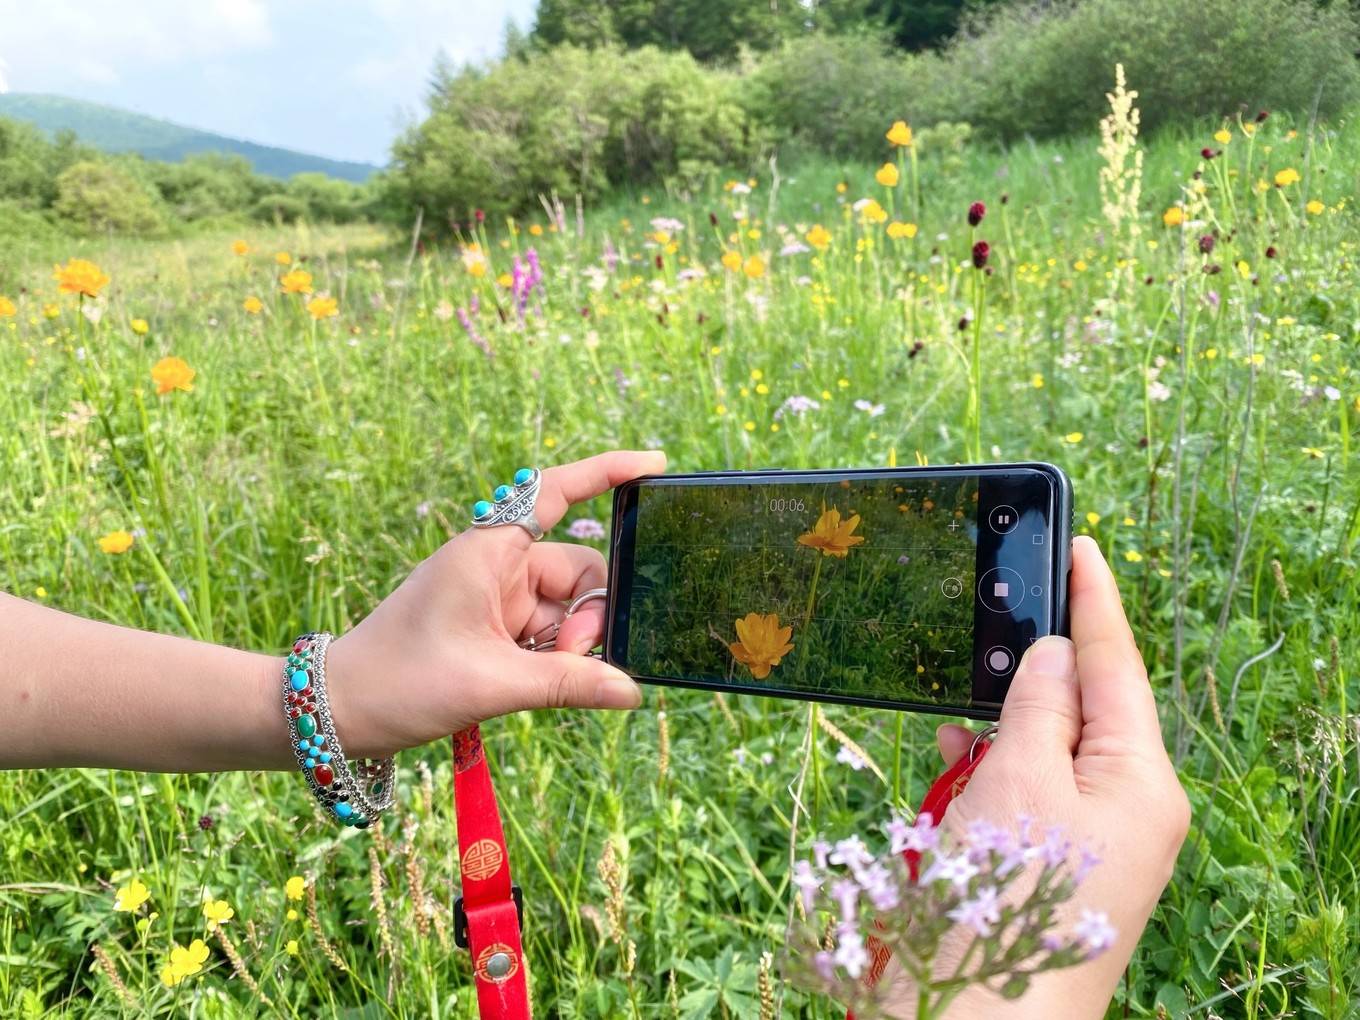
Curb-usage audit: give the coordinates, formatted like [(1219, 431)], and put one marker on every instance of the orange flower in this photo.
[(170, 374), (253, 305), (761, 643), (115, 543), (754, 267), (819, 237), (731, 260), (6, 307), (283, 258), (831, 535), (240, 247), (296, 281), (323, 307), (898, 230), (80, 276)]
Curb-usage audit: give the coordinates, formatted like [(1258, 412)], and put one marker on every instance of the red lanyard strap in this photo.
[(489, 915)]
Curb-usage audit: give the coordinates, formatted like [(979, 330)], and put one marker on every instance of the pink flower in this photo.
[(1095, 931), (585, 527), (979, 913)]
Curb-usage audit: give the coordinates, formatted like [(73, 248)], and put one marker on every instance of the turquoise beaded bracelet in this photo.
[(352, 795)]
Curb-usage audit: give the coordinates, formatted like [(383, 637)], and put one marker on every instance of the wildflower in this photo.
[(295, 887), (474, 261), (1223, 136), (585, 527), (1094, 929), (184, 961), (1092, 518), (170, 374), (140, 326), (296, 281), (1037, 380), (80, 276), (7, 307), (1206, 244), (981, 252), (979, 913), (796, 405), (253, 305), (754, 267), (1286, 177), (898, 230), (1207, 153), (872, 410), (790, 249), (1133, 556), (887, 175), (115, 543), (807, 882), (920, 836), (206, 823), (291, 948), (870, 211), (831, 535), (761, 643), (842, 187), (1073, 437), (217, 912), (819, 237), (240, 247), (899, 133), (1174, 216), (323, 307), (958, 870), (1314, 207), (131, 896), (1271, 251), (283, 258), (51, 310), (731, 260), (535, 230), (848, 757), (975, 213), (1249, 129)]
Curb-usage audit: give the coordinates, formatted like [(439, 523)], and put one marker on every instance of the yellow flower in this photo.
[(1133, 556), (535, 229), (898, 230), (1286, 177), (253, 305), (51, 310), (506, 280), (240, 247), (80, 276), (6, 307), (217, 912), (323, 307), (831, 535), (295, 887), (871, 211), (1073, 437), (754, 267), (292, 947), (116, 543), (184, 961), (1080, 265), (292, 915), (1037, 380), (761, 643), (899, 133), (842, 187), (473, 260), (1314, 208), (731, 260), (1223, 136), (283, 258), (131, 896), (1249, 129), (1174, 216), (140, 326), (1313, 452), (1092, 518), (819, 237), (170, 374), (887, 175), (296, 281)]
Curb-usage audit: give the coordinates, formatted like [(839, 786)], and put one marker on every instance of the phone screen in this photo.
[(905, 587)]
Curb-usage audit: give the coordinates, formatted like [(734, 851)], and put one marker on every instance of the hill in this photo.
[(115, 130)]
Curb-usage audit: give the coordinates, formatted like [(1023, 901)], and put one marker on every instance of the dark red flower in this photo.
[(658, 262), (481, 216), (964, 323), (1271, 251), (205, 822), (1206, 243), (1213, 269), (975, 213), (712, 219), (1262, 116), (1207, 152), (981, 252)]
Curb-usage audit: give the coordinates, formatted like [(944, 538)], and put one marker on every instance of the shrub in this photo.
[(279, 207), (95, 196)]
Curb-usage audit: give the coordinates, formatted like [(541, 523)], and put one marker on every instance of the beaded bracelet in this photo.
[(353, 796)]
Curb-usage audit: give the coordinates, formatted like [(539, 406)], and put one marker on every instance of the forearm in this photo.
[(74, 692)]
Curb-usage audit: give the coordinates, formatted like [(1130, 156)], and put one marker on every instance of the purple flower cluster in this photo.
[(797, 405), (525, 275), (465, 317)]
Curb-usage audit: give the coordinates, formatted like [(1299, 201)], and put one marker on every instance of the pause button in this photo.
[(1003, 519)]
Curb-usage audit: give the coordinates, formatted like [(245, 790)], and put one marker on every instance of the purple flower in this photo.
[(826, 965), (872, 410), (796, 404), (979, 913), (877, 883), (957, 870), (524, 277), (846, 894), (585, 527), (794, 248), (1095, 931), (851, 853), (1088, 861), (850, 952), (903, 560), (849, 757), (917, 838), (667, 223), (820, 849), (1054, 848), (807, 881)]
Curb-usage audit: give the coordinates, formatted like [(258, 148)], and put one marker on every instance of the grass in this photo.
[(1207, 422)]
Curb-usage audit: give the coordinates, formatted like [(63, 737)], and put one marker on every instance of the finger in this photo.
[(1041, 718), (1115, 695), (547, 613), (583, 629), (562, 680), (561, 571), (954, 742)]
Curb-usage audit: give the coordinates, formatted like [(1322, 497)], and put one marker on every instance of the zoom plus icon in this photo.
[(952, 587)]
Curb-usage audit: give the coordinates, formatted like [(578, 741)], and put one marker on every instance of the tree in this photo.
[(920, 24)]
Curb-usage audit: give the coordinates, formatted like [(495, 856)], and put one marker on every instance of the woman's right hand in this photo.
[(1078, 746)]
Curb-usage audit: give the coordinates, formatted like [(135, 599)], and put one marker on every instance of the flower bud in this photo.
[(981, 252), (975, 213), (1206, 244)]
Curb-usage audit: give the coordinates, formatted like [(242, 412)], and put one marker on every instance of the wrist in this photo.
[(355, 702)]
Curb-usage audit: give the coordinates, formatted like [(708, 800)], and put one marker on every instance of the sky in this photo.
[(335, 78)]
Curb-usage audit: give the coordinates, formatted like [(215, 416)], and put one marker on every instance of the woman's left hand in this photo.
[(441, 652)]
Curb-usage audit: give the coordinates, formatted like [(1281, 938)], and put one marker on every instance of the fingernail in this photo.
[(1051, 656), (617, 692)]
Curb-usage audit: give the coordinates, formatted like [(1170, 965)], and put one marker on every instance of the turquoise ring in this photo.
[(512, 504)]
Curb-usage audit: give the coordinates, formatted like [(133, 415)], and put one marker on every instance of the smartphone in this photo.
[(910, 588)]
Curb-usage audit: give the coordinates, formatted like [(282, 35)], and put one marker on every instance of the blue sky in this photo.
[(334, 78)]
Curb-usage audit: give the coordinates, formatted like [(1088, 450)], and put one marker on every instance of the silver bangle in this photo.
[(352, 795)]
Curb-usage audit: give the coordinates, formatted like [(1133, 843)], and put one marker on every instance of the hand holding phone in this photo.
[(915, 588)]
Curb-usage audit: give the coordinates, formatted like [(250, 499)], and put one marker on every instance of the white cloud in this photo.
[(4, 85)]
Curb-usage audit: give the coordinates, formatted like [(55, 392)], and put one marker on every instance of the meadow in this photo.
[(1180, 334)]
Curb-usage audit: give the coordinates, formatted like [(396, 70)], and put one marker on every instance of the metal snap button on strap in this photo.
[(545, 640)]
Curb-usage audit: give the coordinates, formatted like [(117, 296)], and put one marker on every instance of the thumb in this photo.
[(1041, 718), (566, 680)]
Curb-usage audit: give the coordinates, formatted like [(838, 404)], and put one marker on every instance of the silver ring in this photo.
[(514, 504), (987, 735), (545, 640)]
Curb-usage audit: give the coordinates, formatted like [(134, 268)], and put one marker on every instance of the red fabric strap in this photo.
[(936, 802), (499, 968)]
